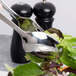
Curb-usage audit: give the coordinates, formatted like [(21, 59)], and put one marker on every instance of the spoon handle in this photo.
[(13, 25), (8, 9)]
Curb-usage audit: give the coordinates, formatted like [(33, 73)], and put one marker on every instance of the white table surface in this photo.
[(3, 73), (5, 42)]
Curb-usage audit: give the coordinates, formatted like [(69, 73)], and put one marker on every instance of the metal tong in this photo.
[(36, 41)]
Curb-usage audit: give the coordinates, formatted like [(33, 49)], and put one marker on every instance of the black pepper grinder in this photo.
[(44, 12), (17, 52)]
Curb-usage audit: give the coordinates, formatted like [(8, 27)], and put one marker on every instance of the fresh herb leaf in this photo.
[(54, 35), (67, 60), (34, 58), (53, 56), (72, 53), (68, 56), (26, 25), (67, 42), (29, 69)]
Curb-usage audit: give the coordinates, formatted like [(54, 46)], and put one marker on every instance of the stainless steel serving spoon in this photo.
[(16, 16), (32, 41)]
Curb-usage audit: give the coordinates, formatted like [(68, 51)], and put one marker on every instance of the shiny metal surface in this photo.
[(34, 40), (39, 43), (15, 15), (44, 1)]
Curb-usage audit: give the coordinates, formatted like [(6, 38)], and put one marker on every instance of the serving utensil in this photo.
[(35, 40), (16, 16)]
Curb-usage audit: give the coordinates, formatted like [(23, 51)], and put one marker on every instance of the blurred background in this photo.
[(65, 17)]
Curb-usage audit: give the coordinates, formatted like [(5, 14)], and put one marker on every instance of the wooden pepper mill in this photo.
[(44, 12)]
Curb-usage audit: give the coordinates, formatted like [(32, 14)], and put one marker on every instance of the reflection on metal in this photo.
[(44, 1), (33, 38), (16, 16)]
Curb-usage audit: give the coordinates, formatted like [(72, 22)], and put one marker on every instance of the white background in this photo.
[(65, 17)]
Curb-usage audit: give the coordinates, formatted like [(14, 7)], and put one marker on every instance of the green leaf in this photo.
[(9, 68), (29, 69), (72, 53), (67, 60), (53, 56), (71, 74), (67, 42), (54, 35), (66, 35), (27, 56), (26, 25), (34, 58), (68, 56)]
